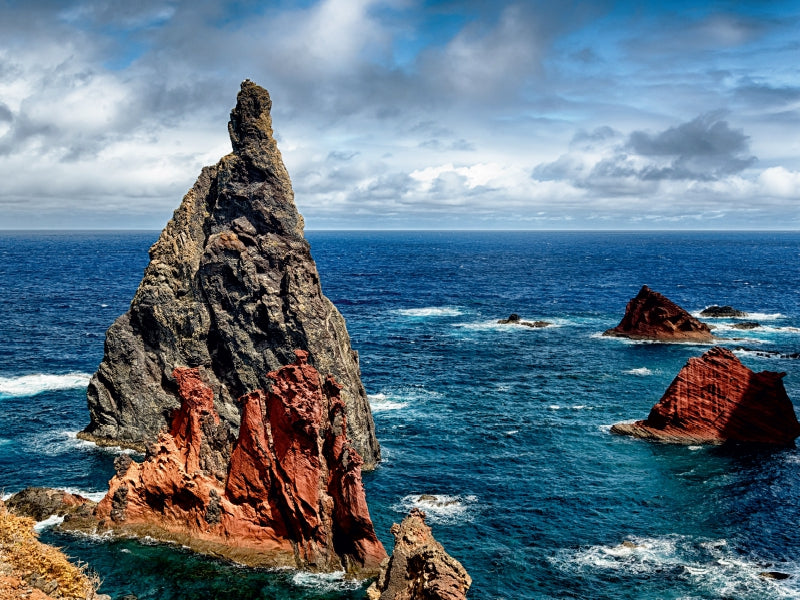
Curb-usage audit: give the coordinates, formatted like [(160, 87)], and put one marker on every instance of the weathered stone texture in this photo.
[(231, 287)]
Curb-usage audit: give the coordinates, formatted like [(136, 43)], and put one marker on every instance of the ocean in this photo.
[(499, 432)]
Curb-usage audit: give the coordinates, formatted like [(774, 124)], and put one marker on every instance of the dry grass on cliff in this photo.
[(23, 558)]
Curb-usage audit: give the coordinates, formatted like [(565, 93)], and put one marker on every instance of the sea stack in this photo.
[(651, 316), (230, 288), (716, 399), (287, 492), (419, 568)]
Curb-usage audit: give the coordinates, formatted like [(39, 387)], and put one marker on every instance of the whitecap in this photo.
[(382, 402), (93, 496), (640, 371), (30, 385), (440, 508), (73, 441), (554, 407), (325, 582), (512, 432), (50, 521), (430, 311), (712, 565)]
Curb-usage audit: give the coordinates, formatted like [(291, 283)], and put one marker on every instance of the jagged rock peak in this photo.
[(715, 399), (232, 288), (653, 316), (419, 568)]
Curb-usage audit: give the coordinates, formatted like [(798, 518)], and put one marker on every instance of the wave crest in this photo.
[(440, 508), (30, 385), (430, 311)]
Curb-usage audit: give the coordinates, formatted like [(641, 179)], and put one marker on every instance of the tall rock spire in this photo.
[(231, 287)]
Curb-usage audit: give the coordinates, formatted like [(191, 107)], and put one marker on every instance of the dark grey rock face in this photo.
[(231, 286)]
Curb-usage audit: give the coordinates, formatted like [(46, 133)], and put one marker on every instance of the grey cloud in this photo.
[(342, 155), (705, 135), (6, 116)]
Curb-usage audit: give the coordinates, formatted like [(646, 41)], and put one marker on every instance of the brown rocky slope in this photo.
[(288, 492), (715, 399), (652, 316), (230, 287)]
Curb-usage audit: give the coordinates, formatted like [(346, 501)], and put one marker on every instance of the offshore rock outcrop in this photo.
[(716, 399), (230, 287), (419, 568), (651, 316), (726, 311), (288, 492)]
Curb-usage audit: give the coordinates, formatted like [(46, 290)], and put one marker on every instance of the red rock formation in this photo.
[(651, 316), (419, 569), (289, 492), (715, 399)]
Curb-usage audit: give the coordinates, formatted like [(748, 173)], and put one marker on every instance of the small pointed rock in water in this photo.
[(652, 316)]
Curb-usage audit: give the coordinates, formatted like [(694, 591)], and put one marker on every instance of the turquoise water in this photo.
[(506, 426)]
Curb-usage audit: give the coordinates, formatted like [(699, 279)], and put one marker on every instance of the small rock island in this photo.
[(652, 316), (716, 399)]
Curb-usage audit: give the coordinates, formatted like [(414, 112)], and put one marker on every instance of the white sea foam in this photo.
[(382, 402), (50, 521), (751, 316), (93, 496), (711, 565), (30, 385), (440, 508), (325, 582), (73, 441), (493, 325), (575, 407), (430, 311), (640, 371)]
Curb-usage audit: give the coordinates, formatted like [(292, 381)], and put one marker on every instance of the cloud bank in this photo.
[(408, 114)]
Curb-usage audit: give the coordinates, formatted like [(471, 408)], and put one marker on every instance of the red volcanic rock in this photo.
[(288, 492), (419, 568), (715, 399), (651, 316)]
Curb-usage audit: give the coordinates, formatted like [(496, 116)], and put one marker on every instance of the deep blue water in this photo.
[(506, 426)]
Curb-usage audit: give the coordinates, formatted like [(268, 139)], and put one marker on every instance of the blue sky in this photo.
[(409, 114)]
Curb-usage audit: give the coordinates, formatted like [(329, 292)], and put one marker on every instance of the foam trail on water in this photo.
[(440, 508), (325, 582), (430, 311), (50, 521), (30, 385), (641, 371), (382, 402)]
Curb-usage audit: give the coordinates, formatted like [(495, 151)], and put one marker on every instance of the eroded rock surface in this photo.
[(231, 287), (715, 399), (717, 311), (652, 316), (419, 568), (287, 492)]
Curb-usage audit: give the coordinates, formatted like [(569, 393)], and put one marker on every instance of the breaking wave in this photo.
[(640, 371), (431, 311), (711, 565), (325, 582), (30, 385), (382, 402), (440, 508)]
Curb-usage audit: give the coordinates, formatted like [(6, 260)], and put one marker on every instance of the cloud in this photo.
[(401, 111)]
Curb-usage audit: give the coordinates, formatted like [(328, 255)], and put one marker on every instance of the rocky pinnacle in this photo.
[(231, 287)]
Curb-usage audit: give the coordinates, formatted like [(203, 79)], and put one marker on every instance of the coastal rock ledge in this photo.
[(651, 316), (287, 492), (716, 399), (230, 287)]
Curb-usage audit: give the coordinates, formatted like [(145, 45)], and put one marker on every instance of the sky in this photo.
[(406, 114)]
